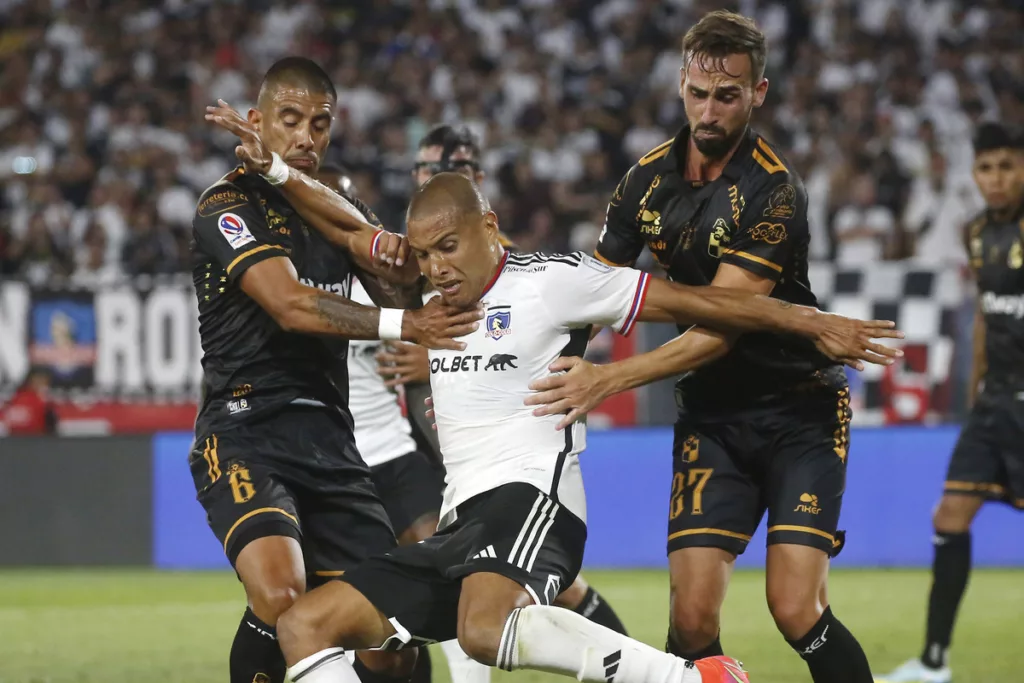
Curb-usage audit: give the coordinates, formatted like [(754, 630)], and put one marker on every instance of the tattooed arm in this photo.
[(273, 284)]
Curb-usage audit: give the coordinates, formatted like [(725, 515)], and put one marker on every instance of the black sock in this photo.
[(950, 571), (367, 675), (712, 650), (832, 654), (597, 610), (255, 655), (423, 670)]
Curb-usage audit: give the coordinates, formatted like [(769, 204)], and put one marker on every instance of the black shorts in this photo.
[(514, 530), (410, 488), (988, 460), (292, 474), (789, 460)]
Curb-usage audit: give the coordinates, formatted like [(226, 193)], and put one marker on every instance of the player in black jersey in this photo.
[(763, 418), (988, 461), (274, 461)]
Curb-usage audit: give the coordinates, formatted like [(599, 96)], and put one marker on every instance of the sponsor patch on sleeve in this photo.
[(221, 200), (594, 264), (235, 231)]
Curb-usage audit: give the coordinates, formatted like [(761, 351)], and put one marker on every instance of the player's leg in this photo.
[(344, 524), (713, 511), (582, 599), (806, 482), (254, 516), (410, 488), (975, 473)]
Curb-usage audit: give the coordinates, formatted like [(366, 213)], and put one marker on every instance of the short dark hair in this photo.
[(722, 33), (993, 135), (298, 71), (451, 138)]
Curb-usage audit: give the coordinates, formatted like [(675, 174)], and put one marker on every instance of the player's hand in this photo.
[(390, 249), (849, 341), (253, 154), (429, 403), (401, 363), (438, 325), (576, 392)]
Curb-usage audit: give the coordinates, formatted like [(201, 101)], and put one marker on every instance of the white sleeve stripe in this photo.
[(638, 305)]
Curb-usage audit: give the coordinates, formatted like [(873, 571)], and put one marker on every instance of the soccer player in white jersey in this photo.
[(513, 519)]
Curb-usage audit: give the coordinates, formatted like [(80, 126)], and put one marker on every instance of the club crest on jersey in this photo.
[(235, 231), (499, 324)]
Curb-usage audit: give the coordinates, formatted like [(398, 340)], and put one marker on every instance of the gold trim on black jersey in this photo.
[(262, 247), (756, 259), (656, 153), (772, 164)]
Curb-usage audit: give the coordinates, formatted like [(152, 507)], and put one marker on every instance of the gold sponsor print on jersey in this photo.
[(737, 203), (650, 222), (277, 223), (1015, 259), (221, 201), (647, 197), (718, 238), (772, 233), (781, 202)]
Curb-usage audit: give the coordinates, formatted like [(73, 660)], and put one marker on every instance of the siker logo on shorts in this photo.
[(235, 231)]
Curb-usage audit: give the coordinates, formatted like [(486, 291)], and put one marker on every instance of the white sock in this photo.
[(327, 666), (463, 668), (560, 641)]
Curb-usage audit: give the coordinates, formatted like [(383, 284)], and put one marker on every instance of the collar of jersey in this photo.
[(497, 273), (676, 157)]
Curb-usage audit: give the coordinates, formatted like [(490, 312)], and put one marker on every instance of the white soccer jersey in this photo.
[(538, 308), (382, 432)]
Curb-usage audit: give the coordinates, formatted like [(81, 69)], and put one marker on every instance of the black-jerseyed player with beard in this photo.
[(763, 421), (988, 461), (274, 459)]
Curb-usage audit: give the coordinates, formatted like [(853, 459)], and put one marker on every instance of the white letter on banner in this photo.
[(14, 298), (119, 357), (167, 334)]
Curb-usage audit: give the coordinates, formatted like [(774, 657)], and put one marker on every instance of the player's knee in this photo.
[(389, 665), (694, 624), (794, 615), (574, 595), (269, 602), (479, 634), (954, 514)]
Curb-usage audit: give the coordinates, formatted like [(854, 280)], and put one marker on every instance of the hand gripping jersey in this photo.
[(537, 308)]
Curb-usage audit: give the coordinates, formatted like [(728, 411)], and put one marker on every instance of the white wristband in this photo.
[(277, 174), (390, 326)]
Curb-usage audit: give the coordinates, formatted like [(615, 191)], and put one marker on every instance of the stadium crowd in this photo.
[(104, 151)]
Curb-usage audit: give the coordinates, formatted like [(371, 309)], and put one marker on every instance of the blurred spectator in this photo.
[(29, 412), (103, 149)]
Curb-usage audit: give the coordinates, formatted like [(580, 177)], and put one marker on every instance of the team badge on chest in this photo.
[(498, 322)]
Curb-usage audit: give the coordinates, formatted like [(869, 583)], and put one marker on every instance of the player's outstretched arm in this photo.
[(273, 284), (846, 340), (374, 250)]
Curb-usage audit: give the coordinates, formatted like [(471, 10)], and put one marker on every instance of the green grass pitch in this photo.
[(112, 626)]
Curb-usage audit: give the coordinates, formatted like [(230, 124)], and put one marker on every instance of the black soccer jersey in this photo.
[(250, 365), (755, 217), (996, 250)]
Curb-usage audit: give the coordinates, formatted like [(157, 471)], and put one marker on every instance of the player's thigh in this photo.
[(714, 502), (1010, 435), (242, 491), (807, 473), (410, 487)]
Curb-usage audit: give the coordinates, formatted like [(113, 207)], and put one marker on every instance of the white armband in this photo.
[(390, 326)]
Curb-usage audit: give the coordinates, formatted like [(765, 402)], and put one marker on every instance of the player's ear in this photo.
[(491, 222), (479, 177), (760, 91), (255, 117)]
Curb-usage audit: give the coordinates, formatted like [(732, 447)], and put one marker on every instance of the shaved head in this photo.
[(447, 195), (454, 236), (296, 73)]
